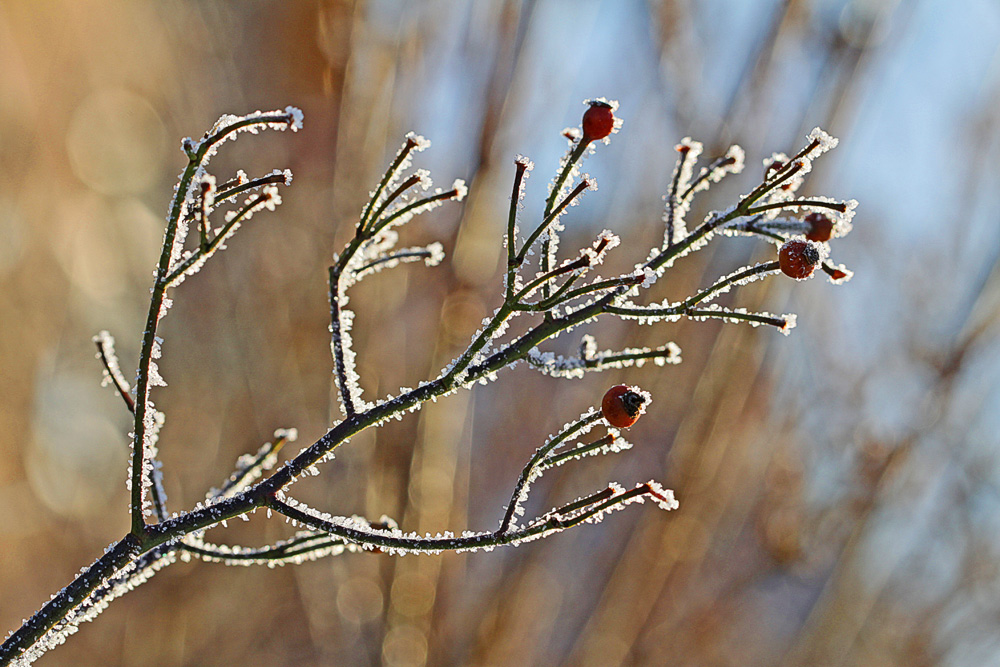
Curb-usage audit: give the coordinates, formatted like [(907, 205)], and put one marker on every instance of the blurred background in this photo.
[(838, 488)]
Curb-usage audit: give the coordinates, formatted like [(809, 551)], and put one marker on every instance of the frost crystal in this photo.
[(419, 142), (208, 189), (296, 116), (435, 254), (154, 374), (649, 277), (825, 141), (112, 370), (460, 189)]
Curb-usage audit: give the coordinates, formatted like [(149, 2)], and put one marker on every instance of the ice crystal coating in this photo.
[(648, 277), (208, 189), (825, 141), (296, 116), (112, 367), (419, 142)]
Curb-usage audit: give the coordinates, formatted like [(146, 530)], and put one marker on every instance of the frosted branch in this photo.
[(112, 368), (249, 467), (592, 361), (391, 540), (533, 469), (566, 302)]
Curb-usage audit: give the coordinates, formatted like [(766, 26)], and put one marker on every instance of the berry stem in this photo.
[(389, 174), (581, 450), (550, 217), (575, 156), (539, 456), (515, 200), (796, 203)]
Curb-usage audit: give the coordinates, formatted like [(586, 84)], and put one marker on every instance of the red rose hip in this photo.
[(621, 406), (598, 121), (798, 259), (820, 227)]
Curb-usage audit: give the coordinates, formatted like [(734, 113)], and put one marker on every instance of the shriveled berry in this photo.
[(621, 406), (820, 227), (798, 259), (598, 121)]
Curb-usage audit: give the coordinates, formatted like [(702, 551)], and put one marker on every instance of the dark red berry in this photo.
[(798, 259), (820, 227), (598, 121), (621, 406)]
